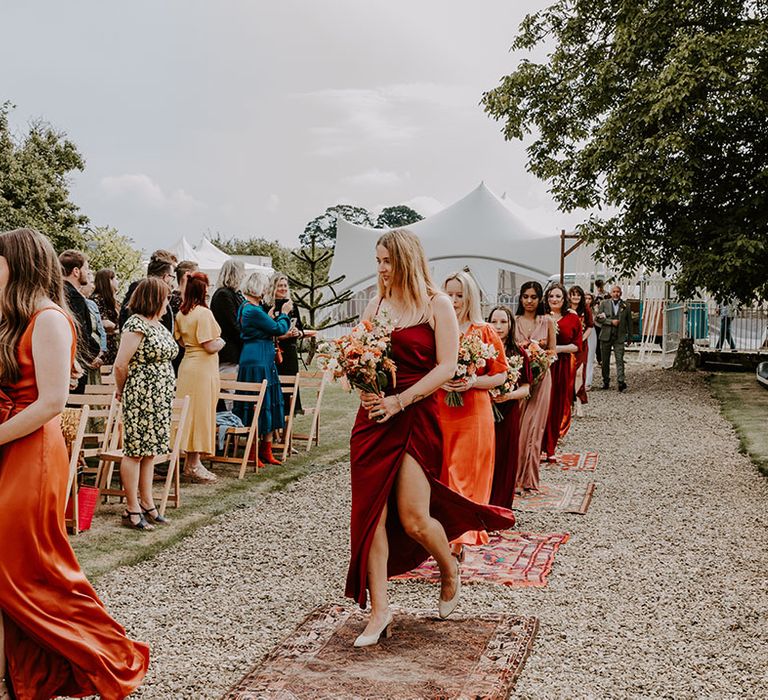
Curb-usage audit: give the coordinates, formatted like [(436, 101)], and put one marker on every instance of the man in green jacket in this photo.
[(615, 320)]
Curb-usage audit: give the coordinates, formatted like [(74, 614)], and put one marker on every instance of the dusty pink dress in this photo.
[(535, 411)]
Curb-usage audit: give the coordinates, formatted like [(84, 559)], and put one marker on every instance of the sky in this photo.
[(247, 118)]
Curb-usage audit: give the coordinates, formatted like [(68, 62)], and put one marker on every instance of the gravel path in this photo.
[(661, 591)]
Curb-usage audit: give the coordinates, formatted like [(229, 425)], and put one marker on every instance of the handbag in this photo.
[(278, 353)]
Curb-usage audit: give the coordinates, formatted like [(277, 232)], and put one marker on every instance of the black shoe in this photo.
[(622, 387), (606, 385)]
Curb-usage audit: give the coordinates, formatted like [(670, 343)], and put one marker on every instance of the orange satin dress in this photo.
[(59, 638), (469, 440)]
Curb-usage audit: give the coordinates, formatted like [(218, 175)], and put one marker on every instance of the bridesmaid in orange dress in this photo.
[(533, 323), (57, 636), (563, 374), (468, 435)]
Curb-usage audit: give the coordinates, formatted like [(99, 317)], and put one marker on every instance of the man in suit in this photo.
[(615, 319)]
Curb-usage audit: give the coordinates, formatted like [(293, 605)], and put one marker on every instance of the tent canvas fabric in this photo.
[(209, 258)]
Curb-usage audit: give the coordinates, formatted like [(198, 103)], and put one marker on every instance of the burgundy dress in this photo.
[(376, 451), (563, 382), (508, 445)]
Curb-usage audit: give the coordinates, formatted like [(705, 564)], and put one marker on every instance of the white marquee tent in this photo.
[(209, 258)]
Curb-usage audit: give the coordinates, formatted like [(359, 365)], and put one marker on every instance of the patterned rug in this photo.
[(475, 657), (574, 462), (567, 498), (516, 559)]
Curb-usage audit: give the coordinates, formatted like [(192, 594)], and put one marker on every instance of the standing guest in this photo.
[(258, 330), (509, 406), (467, 461), (568, 343), (75, 270), (162, 264), (615, 318), (401, 512), (288, 357), (724, 311), (578, 303), (144, 383), (225, 303), (106, 285), (183, 269), (600, 294), (56, 636), (99, 334), (591, 342), (533, 323), (200, 336)]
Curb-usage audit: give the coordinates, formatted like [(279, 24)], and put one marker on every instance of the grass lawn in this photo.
[(745, 404), (108, 545)]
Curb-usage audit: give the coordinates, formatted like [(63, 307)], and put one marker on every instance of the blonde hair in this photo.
[(256, 284), (231, 275), (410, 273), (470, 309), (276, 277)]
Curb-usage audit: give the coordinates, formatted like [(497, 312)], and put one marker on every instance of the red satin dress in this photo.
[(59, 639), (376, 451), (563, 379), (580, 364), (508, 444)]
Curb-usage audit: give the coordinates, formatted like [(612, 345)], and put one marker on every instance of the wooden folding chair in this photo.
[(107, 374), (114, 455), (315, 381), (247, 392), (73, 425), (290, 387), (102, 405)]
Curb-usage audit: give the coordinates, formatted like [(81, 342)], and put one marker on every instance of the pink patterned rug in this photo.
[(574, 462), (567, 498), (517, 559), (472, 657)]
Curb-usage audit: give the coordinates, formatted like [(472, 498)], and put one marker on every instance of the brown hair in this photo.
[(34, 271), (148, 297), (103, 287), (185, 266), (510, 345), (563, 291), (164, 255), (69, 260), (159, 267), (194, 292)]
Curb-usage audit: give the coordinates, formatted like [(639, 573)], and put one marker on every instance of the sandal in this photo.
[(157, 518), (141, 525), (460, 554)]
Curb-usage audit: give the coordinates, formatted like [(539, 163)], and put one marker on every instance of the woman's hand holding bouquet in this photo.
[(473, 354)]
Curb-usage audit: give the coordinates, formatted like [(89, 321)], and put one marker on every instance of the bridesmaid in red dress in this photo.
[(401, 513), (57, 637), (467, 461), (509, 405), (578, 303), (568, 343)]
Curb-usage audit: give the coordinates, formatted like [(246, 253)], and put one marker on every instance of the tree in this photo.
[(395, 217), (656, 109), (281, 255), (323, 227), (34, 191), (106, 247)]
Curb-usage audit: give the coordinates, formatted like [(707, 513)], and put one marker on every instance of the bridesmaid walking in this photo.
[(401, 512), (532, 323), (467, 461), (56, 636), (578, 303)]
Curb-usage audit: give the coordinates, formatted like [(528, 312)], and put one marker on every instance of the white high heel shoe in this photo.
[(368, 640), (446, 607)]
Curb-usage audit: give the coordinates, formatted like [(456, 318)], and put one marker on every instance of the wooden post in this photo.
[(562, 255)]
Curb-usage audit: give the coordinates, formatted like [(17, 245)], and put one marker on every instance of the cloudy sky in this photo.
[(250, 118)]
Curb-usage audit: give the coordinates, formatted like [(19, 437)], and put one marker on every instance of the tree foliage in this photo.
[(34, 191), (106, 247), (656, 110), (282, 259), (323, 227), (396, 217)]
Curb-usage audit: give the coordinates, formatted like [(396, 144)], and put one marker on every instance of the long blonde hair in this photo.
[(410, 273), (470, 310), (269, 297), (34, 273)]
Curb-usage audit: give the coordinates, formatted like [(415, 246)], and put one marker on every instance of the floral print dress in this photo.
[(149, 390)]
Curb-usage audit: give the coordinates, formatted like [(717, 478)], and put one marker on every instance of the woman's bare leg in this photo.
[(146, 478), (413, 493), (377, 576), (129, 475)]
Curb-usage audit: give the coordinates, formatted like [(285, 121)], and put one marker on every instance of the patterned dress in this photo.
[(149, 390)]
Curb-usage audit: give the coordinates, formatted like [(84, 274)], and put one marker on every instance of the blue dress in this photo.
[(257, 362)]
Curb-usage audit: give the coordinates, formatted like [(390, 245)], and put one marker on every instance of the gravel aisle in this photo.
[(661, 591)]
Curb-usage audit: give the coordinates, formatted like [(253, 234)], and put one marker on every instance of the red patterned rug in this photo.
[(473, 657), (516, 559), (567, 498), (574, 462)]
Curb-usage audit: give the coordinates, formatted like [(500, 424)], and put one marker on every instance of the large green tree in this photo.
[(323, 228), (34, 191), (108, 248), (394, 217), (655, 111), (282, 259)]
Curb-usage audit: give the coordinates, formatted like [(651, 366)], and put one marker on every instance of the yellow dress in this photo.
[(199, 377)]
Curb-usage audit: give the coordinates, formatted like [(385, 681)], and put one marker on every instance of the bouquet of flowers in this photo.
[(362, 357), (515, 366), (541, 360), (473, 354)]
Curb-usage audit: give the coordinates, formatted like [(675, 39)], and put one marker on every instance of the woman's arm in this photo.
[(489, 381), (51, 353), (551, 333), (258, 319), (129, 344), (212, 346)]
